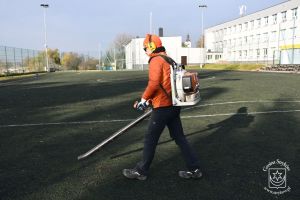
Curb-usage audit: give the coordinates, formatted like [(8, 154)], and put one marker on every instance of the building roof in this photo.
[(245, 17)]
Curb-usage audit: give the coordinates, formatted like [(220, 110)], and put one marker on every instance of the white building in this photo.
[(137, 59), (268, 36)]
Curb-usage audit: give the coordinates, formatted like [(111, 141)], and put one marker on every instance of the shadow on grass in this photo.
[(232, 150), (235, 121), (57, 95), (36, 158), (165, 176), (232, 155), (24, 103)]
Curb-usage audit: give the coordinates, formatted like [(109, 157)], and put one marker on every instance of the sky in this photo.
[(87, 26)]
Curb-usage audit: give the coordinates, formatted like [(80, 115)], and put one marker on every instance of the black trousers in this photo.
[(160, 118)]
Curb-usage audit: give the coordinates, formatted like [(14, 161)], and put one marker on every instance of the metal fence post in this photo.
[(22, 60), (33, 57), (28, 60), (6, 64), (15, 60)]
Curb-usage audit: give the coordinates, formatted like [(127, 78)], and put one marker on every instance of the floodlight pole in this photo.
[(124, 56), (99, 54), (115, 62), (150, 23), (202, 7), (45, 6), (293, 43)]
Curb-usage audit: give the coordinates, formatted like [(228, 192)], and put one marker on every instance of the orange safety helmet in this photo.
[(152, 42)]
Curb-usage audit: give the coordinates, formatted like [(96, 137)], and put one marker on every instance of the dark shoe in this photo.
[(133, 174), (196, 174)]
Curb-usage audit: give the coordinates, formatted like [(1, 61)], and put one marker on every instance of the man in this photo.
[(164, 114)]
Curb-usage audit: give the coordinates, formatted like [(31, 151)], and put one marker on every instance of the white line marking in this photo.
[(237, 102), (249, 113), (127, 120), (208, 78), (66, 123)]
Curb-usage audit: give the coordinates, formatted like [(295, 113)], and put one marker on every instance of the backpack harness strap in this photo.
[(173, 64)]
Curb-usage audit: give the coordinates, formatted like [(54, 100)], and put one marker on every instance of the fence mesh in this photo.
[(17, 60)]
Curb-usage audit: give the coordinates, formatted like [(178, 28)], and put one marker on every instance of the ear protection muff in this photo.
[(151, 44)]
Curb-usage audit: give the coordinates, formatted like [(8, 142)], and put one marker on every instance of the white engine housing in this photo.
[(185, 87)]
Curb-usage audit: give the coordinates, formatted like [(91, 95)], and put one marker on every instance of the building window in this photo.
[(252, 24), (265, 37), (274, 19), (273, 51), (240, 54), (250, 53), (266, 21), (265, 52), (240, 27), (273, 36), (246, 26), (257, 38), (258, 22), (283, 16), (245, 54), (250, 40), (297, 31), (294, 13), (257, 53), (292, 32), (282, 34), (246, 39)]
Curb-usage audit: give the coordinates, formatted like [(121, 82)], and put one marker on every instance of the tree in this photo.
[(54, 56), (200, 42), (71, 61), (88, 64), (36, 63), (108, 57), (117, 50)]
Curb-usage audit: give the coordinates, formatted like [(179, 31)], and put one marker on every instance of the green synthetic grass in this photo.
[(240, 67), (39, 160)]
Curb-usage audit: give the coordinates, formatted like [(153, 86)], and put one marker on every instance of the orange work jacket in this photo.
[(159, 75)]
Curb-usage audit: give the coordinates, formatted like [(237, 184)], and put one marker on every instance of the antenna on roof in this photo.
[(243, 9)]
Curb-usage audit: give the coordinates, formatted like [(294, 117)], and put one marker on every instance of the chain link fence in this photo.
[(17, 60)]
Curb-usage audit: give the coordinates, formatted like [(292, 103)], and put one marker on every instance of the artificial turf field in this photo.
[(244, 121)]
